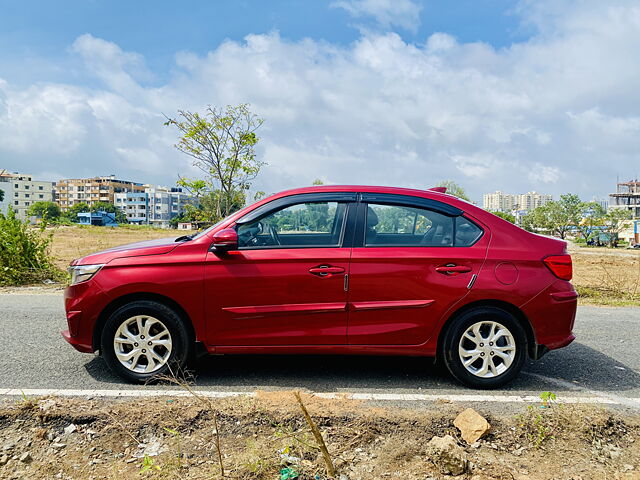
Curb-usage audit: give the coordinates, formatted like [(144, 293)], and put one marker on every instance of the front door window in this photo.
[(313, 224)]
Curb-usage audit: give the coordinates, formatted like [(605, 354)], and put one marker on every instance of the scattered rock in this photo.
[(58, 446), (4, 459), (151, 448), (518, 451), (289, 459), (612, 451), (472, 425), (447, 455), (70, 429), (25, 457)]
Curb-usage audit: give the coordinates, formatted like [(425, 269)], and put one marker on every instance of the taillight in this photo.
[(560, 266)]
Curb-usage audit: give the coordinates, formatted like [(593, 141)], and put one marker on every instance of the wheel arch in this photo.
[(519, 315), (132, 297)]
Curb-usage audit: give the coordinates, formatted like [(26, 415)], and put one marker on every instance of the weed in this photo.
[(547, 398), (27, 404), (178, 439), (149, 465), (24, 252)]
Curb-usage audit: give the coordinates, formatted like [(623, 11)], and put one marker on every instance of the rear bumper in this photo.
[(552, 315)]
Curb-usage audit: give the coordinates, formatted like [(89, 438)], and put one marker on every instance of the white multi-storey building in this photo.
[(506, 202), (498, 201), (529, 201), (21, 191), (155, 206)]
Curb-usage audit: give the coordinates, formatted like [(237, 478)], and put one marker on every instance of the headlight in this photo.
[(82, 273)]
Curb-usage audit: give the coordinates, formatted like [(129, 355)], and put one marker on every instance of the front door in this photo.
[(285, 285), (409, 267)]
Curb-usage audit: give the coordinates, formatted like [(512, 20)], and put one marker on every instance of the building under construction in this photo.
[(627, 196)]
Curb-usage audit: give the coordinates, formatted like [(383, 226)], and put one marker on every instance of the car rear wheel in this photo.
[(145, 339), (485, 347)]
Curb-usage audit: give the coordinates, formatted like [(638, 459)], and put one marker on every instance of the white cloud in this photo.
[(559, 112), (387, 13), (544, 174)]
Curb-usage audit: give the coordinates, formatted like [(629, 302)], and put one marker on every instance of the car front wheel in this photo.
[(485, 347), (145, 339)]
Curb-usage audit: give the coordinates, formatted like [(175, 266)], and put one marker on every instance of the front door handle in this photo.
[(325, 270), (453, 269)]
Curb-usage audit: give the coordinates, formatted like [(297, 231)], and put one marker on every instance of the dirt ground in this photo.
[(261, 437), (70, 242), (605, 276)]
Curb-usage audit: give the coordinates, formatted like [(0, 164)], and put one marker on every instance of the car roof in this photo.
[(364, 188)]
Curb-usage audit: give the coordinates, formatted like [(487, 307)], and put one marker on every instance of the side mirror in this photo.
[(224, 240)]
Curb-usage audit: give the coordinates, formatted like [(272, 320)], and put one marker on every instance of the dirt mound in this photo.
[(267, 437)]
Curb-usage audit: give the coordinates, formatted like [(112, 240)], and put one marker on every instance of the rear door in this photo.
[(413, 258)]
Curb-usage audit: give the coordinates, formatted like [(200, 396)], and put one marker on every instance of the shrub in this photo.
[(24, 252)]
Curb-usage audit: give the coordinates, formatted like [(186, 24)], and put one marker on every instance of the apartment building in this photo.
[(155, 206), (498, 201), (21, 191), (530, 200), (505, 202), (627, 196), (92, 190)]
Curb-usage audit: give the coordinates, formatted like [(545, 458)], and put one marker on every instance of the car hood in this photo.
[(149, 247)]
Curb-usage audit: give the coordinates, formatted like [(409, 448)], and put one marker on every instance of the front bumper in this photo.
[(75, 343), (83, 303)]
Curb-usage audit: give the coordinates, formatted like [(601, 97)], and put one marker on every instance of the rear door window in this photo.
[(400, 225)]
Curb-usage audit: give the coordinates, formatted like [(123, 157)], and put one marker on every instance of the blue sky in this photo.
[(33, 32), (494, 94)]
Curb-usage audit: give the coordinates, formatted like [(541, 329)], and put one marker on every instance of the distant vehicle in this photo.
[(331, 270)]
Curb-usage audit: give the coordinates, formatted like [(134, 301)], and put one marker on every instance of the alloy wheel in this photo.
[(142, 344), (487, 349)]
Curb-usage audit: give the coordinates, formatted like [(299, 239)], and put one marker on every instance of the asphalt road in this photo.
[(603, 361)]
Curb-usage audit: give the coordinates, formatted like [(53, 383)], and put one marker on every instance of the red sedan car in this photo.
[(335, 270)]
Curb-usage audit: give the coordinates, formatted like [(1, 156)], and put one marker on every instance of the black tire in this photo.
[(181, 343), (503, 374)]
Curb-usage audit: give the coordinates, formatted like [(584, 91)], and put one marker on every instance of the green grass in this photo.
[(596, 296)]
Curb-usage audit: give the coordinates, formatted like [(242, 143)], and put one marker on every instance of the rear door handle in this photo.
[(325, 270), (453, 269)]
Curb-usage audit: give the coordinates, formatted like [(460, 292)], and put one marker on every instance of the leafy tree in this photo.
[(46, 210), (73, 211), (615, 221), (454, 189), (318, 181), (556, 218), (505, 216), (571, 208), (222, 143), (1, 195), (259, 195), (593, 216)]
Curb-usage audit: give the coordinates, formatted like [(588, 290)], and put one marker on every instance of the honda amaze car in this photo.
[(331, 270)]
